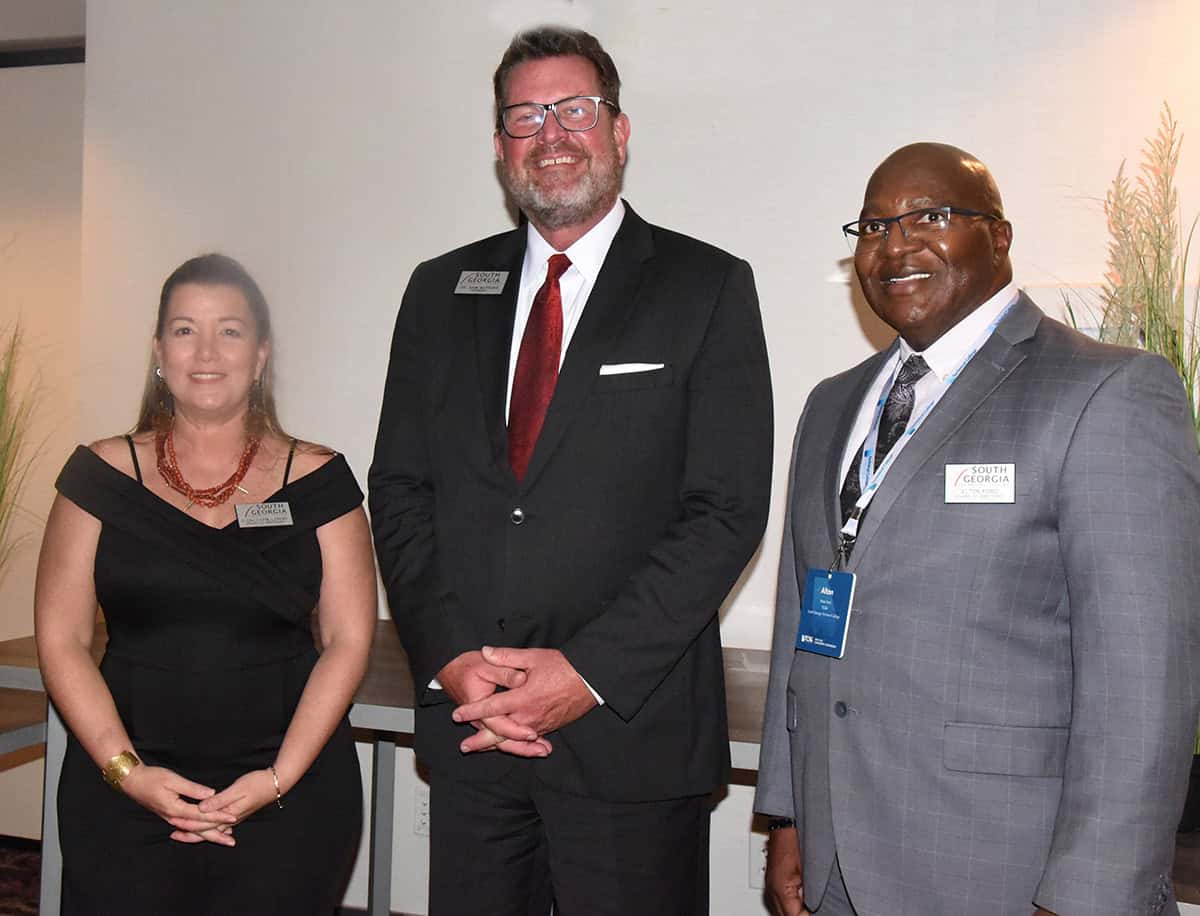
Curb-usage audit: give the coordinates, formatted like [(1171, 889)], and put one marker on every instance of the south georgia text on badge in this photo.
[(263, 515), (981, 483), (481, 282)]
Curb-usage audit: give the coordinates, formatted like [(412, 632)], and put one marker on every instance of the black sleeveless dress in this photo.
[(209, 649)]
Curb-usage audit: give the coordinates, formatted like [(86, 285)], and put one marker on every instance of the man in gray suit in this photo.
[(1010, 727)]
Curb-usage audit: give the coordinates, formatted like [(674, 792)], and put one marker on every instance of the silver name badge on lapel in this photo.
[(263, 515), (481, 282), (981, 483)]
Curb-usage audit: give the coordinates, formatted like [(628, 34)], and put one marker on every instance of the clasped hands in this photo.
[(210, 819), (543, 692)]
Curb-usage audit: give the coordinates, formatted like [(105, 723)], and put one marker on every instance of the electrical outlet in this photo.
[(758, 860), (421, 811)]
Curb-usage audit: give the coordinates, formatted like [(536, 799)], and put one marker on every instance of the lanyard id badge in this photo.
[(825, 612)]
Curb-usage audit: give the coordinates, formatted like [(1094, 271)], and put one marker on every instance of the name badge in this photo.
[(263, 515), (480, 282), (981, 483), (825, 612)]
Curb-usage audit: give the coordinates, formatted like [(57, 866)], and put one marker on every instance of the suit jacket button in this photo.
[(517, 516), (500, 623), (839, 709)]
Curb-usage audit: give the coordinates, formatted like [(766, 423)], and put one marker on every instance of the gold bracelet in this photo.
[(275, 779), (115, 771)]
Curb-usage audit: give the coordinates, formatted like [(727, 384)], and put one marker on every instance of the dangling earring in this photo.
[(166, 403)]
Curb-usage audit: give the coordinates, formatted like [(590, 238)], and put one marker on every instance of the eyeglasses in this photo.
[(926, 223), (577, 113)]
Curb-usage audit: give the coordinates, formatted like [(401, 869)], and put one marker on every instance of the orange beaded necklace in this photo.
[(168, 468)]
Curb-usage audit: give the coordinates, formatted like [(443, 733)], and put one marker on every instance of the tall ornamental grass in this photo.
[(16, 457), (1144, 300)]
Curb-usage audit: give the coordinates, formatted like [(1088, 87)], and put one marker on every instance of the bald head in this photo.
[(969, 178), (950, 255)]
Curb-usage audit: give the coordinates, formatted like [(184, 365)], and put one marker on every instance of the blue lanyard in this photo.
[(870, 477)]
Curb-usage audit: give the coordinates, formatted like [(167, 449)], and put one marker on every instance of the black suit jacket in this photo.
[(645, 497)]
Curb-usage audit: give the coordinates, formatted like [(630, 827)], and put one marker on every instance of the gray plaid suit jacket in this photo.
[(1014, 716)]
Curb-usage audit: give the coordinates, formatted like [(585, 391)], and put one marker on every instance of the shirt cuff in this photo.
[(599, 699)]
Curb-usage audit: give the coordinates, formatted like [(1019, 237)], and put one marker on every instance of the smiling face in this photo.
[(564, 181), (209, 350), (923, 287)]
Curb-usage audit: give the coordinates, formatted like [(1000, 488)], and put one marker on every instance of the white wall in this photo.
[(331, 147), (41, 116)]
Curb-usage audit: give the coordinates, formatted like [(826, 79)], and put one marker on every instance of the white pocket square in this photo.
[(627, 368)]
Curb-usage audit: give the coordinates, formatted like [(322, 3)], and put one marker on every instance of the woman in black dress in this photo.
[(208, 537)]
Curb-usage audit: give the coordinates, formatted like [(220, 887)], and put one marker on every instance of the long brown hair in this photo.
[(157, 410)]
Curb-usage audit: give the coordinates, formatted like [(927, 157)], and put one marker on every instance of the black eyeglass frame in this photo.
[(850, 230), (552, 107)]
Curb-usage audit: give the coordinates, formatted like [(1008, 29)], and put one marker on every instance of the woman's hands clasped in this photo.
[(165, 792), (211, 819)]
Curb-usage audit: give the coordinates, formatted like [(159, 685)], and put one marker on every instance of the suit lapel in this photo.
[(612, 299), (493, 339), (994, 362)]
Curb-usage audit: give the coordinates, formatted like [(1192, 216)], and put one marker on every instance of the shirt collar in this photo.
[(946, 353), (587, 254)]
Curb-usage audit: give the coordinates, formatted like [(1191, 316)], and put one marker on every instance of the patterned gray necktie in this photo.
[(897, 410)]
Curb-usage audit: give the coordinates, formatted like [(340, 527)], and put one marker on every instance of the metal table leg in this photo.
[(56, 749), (383, 799)]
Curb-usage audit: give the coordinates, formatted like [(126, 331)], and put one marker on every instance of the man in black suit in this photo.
[(572, 469)]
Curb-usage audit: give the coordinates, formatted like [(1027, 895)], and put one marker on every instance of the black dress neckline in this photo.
[(170, 510)]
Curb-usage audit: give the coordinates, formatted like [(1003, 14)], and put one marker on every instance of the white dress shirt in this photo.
[(587, 257), (943, 356)]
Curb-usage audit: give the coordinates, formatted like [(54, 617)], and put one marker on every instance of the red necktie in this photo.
[(537, 368)]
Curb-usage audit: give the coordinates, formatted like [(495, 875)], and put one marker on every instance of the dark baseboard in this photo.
[(43, 53)]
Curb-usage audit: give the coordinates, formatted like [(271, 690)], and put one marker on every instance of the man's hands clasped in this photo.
[(543, 693)]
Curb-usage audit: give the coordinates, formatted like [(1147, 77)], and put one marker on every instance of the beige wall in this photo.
[(41, 116)]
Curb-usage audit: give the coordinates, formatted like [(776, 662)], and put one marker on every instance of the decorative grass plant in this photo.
[(1144, 301), (16, 412)]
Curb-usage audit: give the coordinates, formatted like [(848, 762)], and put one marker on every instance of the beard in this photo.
[(556, 205)]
